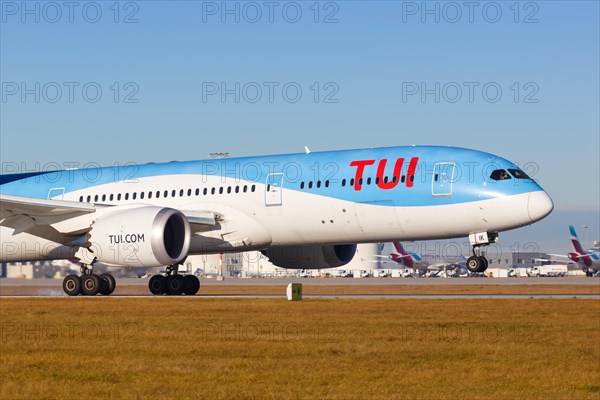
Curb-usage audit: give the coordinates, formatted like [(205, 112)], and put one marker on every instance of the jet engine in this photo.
[(311, 257), (141, 237)]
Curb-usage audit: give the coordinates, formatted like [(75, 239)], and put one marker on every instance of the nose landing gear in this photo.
[(477, 263)]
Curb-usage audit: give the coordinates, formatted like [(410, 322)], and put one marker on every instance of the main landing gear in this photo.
[(89, 284), (173, 284)]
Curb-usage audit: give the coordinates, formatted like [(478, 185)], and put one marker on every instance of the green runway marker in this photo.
[(294, 292)]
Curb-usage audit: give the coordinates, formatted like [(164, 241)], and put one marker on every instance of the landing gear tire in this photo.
[(90, 285), (175, 285), (477, 264), (107, 284), (191, 285), (72, 285), (157, 284), (484, 264), (473, 264)]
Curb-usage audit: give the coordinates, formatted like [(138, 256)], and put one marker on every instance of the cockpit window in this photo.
[(517, 173), (500, 175)]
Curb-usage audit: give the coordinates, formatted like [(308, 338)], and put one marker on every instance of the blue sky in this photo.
[(362, 68)]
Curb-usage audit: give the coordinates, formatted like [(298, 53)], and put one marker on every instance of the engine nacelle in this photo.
[(311, 257), (141, 237)]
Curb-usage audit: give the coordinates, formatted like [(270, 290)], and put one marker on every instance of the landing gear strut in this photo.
[(89, 284), (173, 284)]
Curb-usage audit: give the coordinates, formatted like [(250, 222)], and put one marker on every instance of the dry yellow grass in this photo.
[(178, 348)]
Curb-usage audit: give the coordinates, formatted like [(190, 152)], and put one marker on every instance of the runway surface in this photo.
[(337, 281), (332, 296), (332, 288)]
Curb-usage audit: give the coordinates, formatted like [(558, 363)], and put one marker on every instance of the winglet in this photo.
[(306, 149)]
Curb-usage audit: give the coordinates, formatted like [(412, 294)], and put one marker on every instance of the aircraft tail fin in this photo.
[(399, 248), (575, 241)]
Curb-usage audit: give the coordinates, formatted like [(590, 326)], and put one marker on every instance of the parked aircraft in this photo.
[(306, 210), (588, 261), (410, 259)]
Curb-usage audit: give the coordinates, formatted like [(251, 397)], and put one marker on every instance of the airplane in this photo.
[(303, 211), (588, 261), (414, 261)]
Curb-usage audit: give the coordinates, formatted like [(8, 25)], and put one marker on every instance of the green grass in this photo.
[(264, 348)]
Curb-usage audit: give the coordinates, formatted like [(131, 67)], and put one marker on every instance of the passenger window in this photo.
[(326, 184), (500, 175), (103, 197), (237, 189), (197, 192), (212, 191), (403, 178), (368, 181), (229, 190), (221, 190), (181, 193), (310, 184), (173, 193), (126, 196), (245, 188), (318, 184), (142, 194), (95, 198), (134, 195), (112, 196), (253, 188), (119, 197), (189, 192), (205, 191), (352, 182), (149, 195), (81, 199), (343, 182), (301, 185)]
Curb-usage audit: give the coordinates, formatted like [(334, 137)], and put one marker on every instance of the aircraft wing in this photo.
[(562, 256), (396, 255), (17, 205), (200, 220), (23, 213)]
